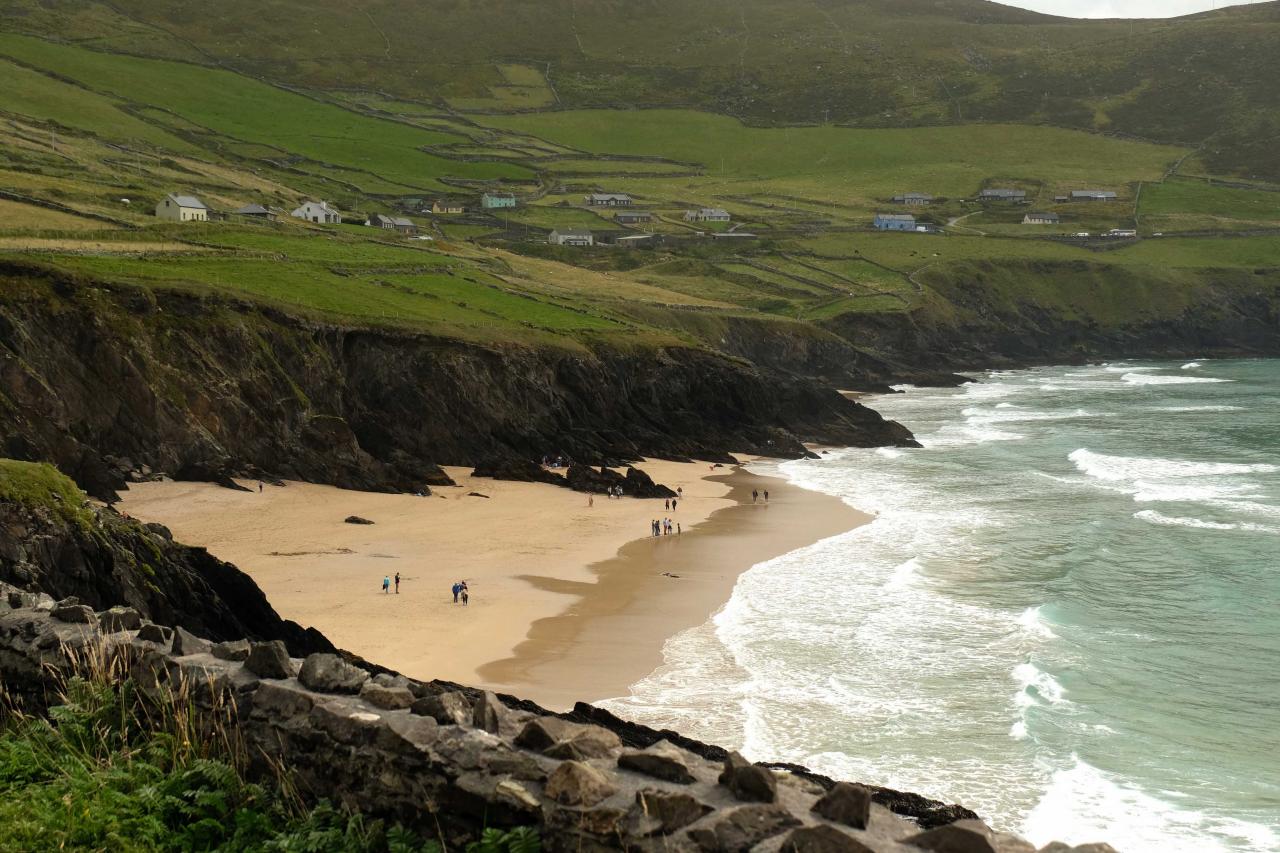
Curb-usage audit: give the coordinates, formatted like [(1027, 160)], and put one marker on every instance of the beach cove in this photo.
[(571, 600)]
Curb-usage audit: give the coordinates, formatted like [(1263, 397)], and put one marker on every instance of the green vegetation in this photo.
[(875, 63), (40, 486), (230, 105), (109, 770), (1184, 204)]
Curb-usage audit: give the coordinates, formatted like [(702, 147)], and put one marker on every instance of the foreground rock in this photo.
[(451, 762)]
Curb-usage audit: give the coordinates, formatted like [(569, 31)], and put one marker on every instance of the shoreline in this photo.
[(615, 633), (569, 600)]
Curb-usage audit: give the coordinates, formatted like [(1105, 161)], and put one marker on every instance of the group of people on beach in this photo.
[(460, 591), (386, 584), (664, 527), (755, 495)]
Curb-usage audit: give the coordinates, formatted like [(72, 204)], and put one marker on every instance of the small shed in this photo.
[(256, 211), (632, 217)]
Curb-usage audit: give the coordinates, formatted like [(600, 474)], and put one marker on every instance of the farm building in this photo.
[(1093, 195), (609, 200), (913, 199), (706, 214), (497, 201), (895, 222), (442, 206), (318, 212), (571, 237), (1041, 219), (392, 223), (1125, 233), (1002, 194), (256, 211), (630, 241), (1061, 199), (633, 217), (182, 208)]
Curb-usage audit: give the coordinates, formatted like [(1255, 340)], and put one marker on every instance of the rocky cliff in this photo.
[(449, 762), (110, 382), (1014, 314)]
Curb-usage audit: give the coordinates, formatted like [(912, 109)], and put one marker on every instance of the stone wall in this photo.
[(449, 761)]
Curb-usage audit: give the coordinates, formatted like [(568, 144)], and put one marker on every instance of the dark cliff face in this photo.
[(105, 381), (106, 560), (1010, 315)]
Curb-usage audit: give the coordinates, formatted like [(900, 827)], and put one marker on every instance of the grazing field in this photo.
[(15, 216), (233, 106), (1185, 204), (847, 165)]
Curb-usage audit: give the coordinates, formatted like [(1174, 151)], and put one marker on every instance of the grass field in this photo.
[(1182, 204), (232, 106), (847, 165)]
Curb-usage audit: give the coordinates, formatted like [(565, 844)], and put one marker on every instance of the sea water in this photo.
[(1065, 615)]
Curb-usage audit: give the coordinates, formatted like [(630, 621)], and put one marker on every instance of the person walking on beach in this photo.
[(673, 504), (666, 504), (466, 596), (386, 585), (591, 500), (259, 487), (680, 491), (755, 494), (678, 530), (766, 495), (397, 583), (457, 588)]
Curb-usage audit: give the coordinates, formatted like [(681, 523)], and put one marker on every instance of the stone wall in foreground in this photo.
[(448, 761)]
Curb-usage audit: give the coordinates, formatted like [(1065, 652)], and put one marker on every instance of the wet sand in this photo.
[(559, 611)]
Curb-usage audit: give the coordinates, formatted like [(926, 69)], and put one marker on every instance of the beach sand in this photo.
[(559, 612)]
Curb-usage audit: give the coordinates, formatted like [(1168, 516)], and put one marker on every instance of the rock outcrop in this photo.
[(95, 559), (487, 765), (118, 382)]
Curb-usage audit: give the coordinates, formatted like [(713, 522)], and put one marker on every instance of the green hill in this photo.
[(1211, 78)]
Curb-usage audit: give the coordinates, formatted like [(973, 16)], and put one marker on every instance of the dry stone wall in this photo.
[(448, 761)]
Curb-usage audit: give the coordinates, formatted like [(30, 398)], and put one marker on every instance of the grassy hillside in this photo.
[(1209, 78), (94, 139)]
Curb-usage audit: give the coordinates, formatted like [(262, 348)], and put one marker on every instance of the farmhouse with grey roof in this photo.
[(182, 208)]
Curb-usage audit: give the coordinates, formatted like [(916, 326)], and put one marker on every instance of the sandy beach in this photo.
[(569, 601)]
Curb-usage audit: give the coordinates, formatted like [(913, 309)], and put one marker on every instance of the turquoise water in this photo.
[(1066, 614)]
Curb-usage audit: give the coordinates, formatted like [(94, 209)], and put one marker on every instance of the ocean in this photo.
[(1066, 614)]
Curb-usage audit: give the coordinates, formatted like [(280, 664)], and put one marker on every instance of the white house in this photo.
[(182, 208), (706, 214), (318, 212), (609, 200), (571, 237)]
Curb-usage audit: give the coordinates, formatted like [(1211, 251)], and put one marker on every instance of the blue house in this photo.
[(895, 222), (494, 201)]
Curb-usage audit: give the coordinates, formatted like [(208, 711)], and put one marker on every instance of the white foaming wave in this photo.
[(1134, 468), (965, 434), (1125, 368), (1083, 804), (1036, 684), (903, 575), (1191, 365), (1033, 622), (990, 390), (977, 415), (1198, 409), (1153, 517), (889, 452), (1148, 379), (1182, 491)]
